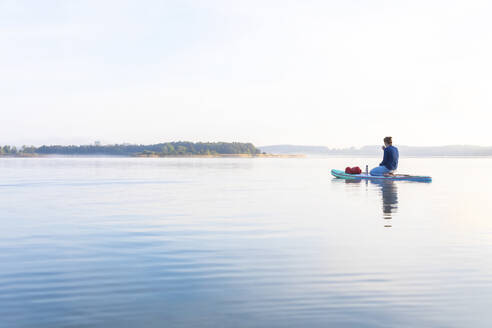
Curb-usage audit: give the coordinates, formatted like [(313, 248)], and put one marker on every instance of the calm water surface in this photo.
[(115, 242)]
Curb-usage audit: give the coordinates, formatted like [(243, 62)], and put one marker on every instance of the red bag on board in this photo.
[(353, 170)]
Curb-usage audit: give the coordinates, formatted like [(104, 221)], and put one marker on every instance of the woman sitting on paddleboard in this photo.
[(390, 159)]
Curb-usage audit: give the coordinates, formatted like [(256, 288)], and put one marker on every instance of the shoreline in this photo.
[(222, 156), (232, 156), (158, 156)]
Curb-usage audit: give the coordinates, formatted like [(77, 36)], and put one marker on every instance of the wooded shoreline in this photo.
[(159, 156), (161, 150)]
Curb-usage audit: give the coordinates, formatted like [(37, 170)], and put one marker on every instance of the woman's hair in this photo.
[(388, 140)]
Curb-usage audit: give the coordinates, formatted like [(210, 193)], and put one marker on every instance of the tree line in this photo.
[(13, 150), (161, 149)]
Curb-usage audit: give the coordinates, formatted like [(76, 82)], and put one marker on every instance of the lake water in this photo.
[(124, 242)]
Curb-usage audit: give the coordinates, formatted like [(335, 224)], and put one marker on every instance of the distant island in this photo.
[(375, 150), (168, 149), (233, 149)]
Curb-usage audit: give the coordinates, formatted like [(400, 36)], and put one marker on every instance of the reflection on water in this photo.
[(389, 196), (388, 191)]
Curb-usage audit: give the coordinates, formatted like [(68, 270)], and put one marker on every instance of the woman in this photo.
[(390, 159)]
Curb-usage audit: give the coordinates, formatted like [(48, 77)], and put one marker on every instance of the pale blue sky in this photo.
[(334, 73)]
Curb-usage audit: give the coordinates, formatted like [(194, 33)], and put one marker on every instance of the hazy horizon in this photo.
[(99, 142), (274, 72)]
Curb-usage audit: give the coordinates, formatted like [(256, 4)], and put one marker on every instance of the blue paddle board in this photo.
[(399, 177)]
